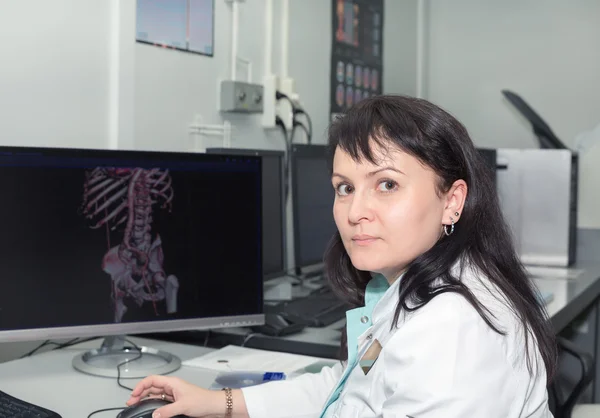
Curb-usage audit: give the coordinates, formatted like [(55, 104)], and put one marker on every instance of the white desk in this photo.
[(571, 296), (49, 380)]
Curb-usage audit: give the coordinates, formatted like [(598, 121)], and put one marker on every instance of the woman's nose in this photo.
[(360, 208)]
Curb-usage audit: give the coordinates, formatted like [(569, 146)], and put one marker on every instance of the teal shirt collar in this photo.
[(358, 320), (376, 288)]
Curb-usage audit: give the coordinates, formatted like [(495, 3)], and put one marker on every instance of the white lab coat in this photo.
[(442, 361)]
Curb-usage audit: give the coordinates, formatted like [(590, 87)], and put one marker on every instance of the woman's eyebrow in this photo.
[(372, 173), (339, 175), (387, 168)]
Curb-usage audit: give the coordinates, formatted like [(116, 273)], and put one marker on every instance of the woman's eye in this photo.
[(344, 189), (387, 186)]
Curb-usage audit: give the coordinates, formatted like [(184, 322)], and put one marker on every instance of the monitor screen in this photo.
[(312, 196), (489, 158), (273, 207), (186, 25), (113, 242)]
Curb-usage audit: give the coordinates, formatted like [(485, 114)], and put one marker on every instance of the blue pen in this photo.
[(269, 376)]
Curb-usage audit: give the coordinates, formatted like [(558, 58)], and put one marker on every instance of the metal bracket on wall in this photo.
[(198, 132)]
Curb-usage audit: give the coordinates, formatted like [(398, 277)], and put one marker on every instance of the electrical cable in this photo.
[(303, 126), (287, 157), (309, 133), (58, 346), (139, 356), (297, 110)]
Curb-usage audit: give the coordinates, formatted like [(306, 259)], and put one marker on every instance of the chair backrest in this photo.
[(541, 129), (561, 406)]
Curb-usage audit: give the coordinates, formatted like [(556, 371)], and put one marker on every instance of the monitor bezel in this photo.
[(302, 151), (137, 327), (127, 328), (271, 153)]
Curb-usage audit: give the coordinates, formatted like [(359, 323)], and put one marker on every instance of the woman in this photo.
[(446, 322)]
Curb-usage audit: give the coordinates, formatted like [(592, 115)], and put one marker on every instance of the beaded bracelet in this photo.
[(228, 402)]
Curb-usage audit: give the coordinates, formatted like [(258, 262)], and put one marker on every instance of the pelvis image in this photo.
[(123, 200)]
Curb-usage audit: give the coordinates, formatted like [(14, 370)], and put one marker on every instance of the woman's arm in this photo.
[(303, 396)]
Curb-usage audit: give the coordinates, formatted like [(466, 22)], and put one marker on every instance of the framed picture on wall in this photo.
[(356, 52), (185, 25)]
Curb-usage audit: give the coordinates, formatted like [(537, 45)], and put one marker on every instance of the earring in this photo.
[(448, 233), (455, 213)]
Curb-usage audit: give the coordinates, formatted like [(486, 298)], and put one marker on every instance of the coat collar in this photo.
[(387, 296), (380, 299)]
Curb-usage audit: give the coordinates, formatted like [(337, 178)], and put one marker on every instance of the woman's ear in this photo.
[(455, 202)]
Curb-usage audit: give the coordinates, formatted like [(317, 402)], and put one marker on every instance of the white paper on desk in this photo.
[(235, 358)]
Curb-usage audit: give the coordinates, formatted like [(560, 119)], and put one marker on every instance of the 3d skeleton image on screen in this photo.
[(123, 199)]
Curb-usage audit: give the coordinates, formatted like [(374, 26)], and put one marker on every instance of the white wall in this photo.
[(54, 60), (545, 50)]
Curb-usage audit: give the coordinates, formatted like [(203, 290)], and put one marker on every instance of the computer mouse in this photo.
[(144, 409)]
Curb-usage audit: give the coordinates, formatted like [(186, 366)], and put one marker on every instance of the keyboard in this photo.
[(11, 407), (316, 310)]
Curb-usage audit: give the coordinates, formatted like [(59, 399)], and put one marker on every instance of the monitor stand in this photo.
[(113, 352), (310, 272), (277, 289)]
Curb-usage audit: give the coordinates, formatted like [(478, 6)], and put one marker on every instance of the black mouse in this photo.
[(144, 409)]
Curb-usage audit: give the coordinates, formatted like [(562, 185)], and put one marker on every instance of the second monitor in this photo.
[(312, 197), (273, 206)]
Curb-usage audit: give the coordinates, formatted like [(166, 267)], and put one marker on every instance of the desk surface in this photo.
[(49, 380), (571, 296)]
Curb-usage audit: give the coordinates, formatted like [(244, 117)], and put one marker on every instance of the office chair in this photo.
[(569, 408), (541, 129)]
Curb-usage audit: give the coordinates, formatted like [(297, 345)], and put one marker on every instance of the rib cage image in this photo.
[(124, 198)]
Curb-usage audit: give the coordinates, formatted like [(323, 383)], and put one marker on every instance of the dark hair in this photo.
[(481, 238)]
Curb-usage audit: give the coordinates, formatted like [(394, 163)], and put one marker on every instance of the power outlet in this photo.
[(241, 97)]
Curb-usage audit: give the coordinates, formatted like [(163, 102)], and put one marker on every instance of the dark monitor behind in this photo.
[(273, 206), (98, 243), (312, 196), (489, 156)]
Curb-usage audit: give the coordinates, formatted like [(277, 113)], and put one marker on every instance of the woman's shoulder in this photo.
[(458, 307), (453, 316), (446, 346)]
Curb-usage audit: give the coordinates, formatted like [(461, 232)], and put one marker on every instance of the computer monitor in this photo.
[(312, 197), (489, 156), (109, 243), (273, 207)]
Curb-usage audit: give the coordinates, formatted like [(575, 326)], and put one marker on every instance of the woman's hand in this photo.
[(187, 399)]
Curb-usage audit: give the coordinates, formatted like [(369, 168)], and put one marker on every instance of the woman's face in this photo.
[(389, 213)]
